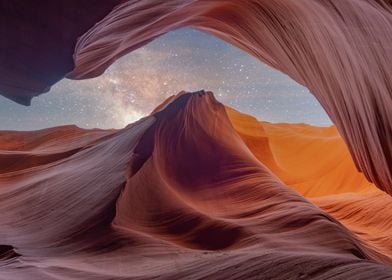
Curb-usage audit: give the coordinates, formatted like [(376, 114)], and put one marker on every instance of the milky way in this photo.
[(181, 60)]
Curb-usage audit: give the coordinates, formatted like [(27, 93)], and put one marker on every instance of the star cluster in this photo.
[(181, 60)]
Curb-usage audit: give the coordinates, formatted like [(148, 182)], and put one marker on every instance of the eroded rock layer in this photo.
[(339, 49), (193, 191)]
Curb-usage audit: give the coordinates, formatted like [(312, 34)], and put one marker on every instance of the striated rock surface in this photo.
[(196, 190), (339, 49)]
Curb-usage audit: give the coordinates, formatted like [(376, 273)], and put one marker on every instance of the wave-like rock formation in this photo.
[(196, 190), (339, 49)]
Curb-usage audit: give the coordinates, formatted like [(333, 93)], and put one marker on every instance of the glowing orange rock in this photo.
[(187, 192)]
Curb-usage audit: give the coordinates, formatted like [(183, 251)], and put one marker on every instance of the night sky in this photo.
[(181, 60)]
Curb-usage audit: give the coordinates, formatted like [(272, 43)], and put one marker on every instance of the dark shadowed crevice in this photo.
[(7, 252)]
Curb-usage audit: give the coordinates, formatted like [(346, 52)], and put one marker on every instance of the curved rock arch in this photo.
[(337, 48)]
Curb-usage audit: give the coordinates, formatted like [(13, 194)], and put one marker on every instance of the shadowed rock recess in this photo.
[(196, 190)]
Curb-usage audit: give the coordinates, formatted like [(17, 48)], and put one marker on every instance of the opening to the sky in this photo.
[(181, 60)]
